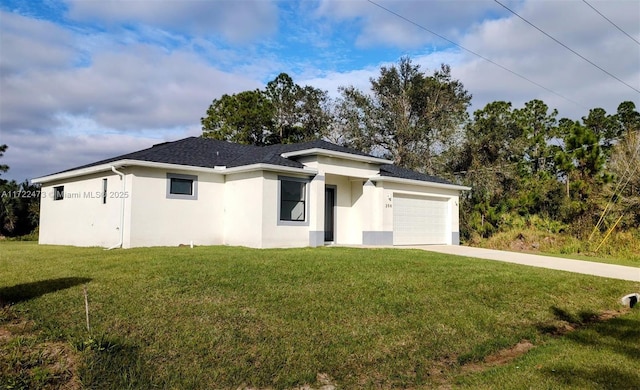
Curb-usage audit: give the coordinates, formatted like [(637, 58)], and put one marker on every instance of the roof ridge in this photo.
[(160, 146)]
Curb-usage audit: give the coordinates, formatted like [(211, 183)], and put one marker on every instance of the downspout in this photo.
[(122, 198)]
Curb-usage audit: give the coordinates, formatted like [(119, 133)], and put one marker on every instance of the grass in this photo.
[(225, 317), (621, 248), (568, 362)]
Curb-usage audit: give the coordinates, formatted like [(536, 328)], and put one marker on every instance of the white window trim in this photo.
[(306, 201), (194, 188)]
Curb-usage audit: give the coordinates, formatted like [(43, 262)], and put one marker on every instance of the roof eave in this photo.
[(120, 164), (77, 172), (392, 179), (333, 153), (221, 170)]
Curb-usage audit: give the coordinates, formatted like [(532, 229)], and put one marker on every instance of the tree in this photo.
[(3, 167), (581, 162), (538, 128), (628, 117), (605, 127), (314, 114), (502, 159), (245, 118), (300, 112), (282, 113), (625, 165), (409, 116), (19, 205), (526, 168)]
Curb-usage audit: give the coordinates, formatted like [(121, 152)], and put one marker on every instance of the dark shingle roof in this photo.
[(208, 153), (201, 152)]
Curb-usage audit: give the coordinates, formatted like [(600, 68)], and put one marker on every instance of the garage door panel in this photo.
[(419, 220)]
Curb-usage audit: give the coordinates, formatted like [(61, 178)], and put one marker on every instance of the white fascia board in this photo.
[(76, 172), (269, 167), (332, 153), (392, 179), (120, 164), (221, 170)]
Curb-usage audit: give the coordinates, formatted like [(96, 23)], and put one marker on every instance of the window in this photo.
[(293, 199), (58, 193), (104, 191), (182, 186)]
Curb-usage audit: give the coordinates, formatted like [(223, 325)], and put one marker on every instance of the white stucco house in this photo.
[(210, 192)]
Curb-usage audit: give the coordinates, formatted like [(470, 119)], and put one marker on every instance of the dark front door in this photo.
[(329, 215)]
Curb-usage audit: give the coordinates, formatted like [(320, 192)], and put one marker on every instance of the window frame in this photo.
[(286, 222), (194, 186)]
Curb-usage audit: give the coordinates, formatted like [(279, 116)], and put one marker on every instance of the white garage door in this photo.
[(419, 220)]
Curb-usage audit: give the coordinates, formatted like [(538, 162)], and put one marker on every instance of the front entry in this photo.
[(329, 213)]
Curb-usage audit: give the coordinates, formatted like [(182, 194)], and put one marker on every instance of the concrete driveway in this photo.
[(578, 266)]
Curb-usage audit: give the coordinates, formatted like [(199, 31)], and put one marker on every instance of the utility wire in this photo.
[(609, 20), (474, 53), (565, 46)]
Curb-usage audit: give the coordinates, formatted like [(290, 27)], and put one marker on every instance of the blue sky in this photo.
[(85, 80)]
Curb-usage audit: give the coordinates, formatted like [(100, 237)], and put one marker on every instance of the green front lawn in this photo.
[(226, 317)]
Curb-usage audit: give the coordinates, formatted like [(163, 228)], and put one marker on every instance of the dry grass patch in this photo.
[(27, 362)]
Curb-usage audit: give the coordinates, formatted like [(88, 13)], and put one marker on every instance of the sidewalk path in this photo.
[(578, 266)]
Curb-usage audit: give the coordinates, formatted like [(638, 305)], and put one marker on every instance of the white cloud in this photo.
[(360, 78), (54, 114), (493, 32), (32, 44), (134, 95), (236, 21), (137, 87), (30, 157), (518, 46), (333, 80), (379, 26)]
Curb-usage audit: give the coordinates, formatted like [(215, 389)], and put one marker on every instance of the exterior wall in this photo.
[(275, 234), (236, 209), (81, 218), (343, 167), (348, 226), (374, 231), (157, 220), (243, 211)]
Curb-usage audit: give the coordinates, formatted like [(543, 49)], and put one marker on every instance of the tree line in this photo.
[(19, 206), (524, 164)]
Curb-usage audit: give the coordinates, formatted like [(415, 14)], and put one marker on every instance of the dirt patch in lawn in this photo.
[(500, 357), (28, 362), (565, 322)]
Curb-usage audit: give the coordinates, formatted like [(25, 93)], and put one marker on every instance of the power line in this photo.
[(565, 46), (475, 54), (609, 20)]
